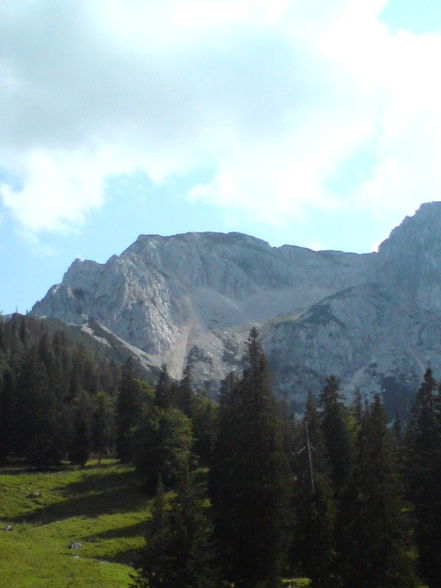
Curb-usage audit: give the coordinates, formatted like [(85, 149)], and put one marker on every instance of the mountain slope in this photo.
[(373, 319)]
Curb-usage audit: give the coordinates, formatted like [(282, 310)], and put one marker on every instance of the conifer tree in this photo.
[(81, 434), (423, 475), (333, 418), (204, 423), (103, 425), (314, 542), (185, 400), (7, 415), (223, 465), (250, 478), (162, 445), (376, 548), (40, 431), (179, 548), (154, 560), (334, 422), (128, 412), (41, 373), (163, 389)]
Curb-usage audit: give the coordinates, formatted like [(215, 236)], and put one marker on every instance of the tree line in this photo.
[(340, 495), (56, 397), (245, 494)]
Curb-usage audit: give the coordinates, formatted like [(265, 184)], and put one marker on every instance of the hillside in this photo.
[(372, 319), (102, 508)]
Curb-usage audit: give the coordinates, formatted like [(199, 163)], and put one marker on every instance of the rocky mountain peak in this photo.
[(422, 230), (410, 259), (374, 320)]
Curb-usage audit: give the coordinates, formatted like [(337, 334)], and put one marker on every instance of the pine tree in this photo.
[(250, 478)]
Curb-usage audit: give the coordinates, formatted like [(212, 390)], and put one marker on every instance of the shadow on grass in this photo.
[(102, 480), (94, 495), (138, 529), (19, 466), (127, 557), (16, 470)]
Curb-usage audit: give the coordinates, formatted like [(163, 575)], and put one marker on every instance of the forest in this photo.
[(245, 494)]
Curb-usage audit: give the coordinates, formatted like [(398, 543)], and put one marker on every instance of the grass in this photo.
[(102, 507)]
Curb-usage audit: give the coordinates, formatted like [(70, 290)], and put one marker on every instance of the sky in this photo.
[(308, 122)]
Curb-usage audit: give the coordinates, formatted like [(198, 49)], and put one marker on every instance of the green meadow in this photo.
[(101, 507)]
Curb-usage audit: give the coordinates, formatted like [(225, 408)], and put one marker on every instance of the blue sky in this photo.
[(309, 122)]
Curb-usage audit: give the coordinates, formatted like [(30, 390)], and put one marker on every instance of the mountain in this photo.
[(372, 319)]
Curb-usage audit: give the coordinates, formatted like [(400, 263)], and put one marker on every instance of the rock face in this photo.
[(374, 320)]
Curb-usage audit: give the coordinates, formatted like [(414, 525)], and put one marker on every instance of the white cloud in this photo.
[(273, 96)]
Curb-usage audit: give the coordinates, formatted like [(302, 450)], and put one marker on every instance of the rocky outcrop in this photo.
[(373, 319)]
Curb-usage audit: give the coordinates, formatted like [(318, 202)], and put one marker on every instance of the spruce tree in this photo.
[(334, 423), (81, 433), (162, 446), (163, 389), (7, 415), (185, 396), (40, 431), (339, 446), (250, 478), (179, 548), (313, 549), (128, 412), (423, 475), (376, 548), (103, 425), (222, 470), (204, 423)]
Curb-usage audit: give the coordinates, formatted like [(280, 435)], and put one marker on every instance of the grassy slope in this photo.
[(102, 507)]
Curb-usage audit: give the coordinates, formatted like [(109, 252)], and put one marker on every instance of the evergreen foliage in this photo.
[(163, 446), (39, 430), (81, 434), (313, 548), (376, 551), (134, 401), (185, 396), (163, 390), (7, 415), (320, 496), (423, 476), (250, 477), (103, 425), (179, 549), (42, 377), (334, 423)]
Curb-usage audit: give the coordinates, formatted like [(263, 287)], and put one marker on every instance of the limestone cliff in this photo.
[(372, 319)]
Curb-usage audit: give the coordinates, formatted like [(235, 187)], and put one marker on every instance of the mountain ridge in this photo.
[(192, 298)]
